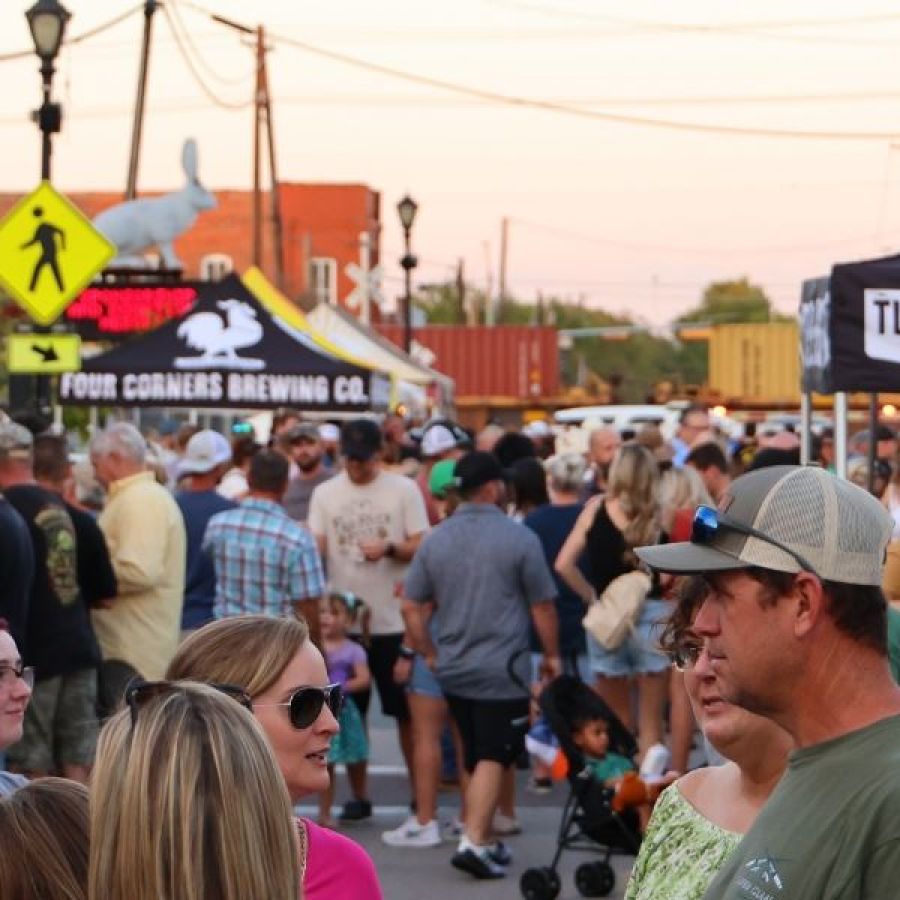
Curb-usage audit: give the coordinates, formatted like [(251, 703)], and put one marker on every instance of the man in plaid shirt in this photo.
[(265, 562)]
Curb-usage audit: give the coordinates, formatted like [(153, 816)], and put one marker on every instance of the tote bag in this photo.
[(612, 617)]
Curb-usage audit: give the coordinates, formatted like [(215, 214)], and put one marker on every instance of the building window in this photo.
[(323, 279), (215, 266)]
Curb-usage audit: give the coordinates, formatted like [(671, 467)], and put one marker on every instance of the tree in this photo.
[(731, 301)]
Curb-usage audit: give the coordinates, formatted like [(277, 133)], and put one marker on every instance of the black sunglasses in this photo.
[(139, 692), (707, 522), (306, 703)]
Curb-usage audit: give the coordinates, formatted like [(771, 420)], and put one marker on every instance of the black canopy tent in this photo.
[(226, 352)]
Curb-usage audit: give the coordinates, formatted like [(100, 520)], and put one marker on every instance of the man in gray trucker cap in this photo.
[(793, 627)]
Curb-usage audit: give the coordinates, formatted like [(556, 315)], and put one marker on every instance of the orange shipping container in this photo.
[(512, 361)]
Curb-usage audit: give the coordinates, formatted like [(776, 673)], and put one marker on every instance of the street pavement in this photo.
[(413, 874)]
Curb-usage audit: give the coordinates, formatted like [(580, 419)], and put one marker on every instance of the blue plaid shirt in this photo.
[(264, 560)]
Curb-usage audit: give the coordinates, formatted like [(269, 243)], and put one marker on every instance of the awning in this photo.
[(227, 351)]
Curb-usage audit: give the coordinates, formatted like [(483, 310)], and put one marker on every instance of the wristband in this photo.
[(407, 652)]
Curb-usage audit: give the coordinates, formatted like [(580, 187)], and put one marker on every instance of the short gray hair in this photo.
[(121, 438), (565, 472)]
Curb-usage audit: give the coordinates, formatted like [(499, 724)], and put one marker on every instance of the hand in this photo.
[(402, 670), (372, 551), (430, 659), (551, 667)]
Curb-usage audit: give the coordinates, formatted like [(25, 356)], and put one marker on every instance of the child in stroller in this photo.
[(598, 754)]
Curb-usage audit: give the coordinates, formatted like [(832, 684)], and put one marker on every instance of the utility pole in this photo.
[(461, 316), (277, 226), (365, 301), (489, 286), (137, 125), (504, 231), (257, 150)]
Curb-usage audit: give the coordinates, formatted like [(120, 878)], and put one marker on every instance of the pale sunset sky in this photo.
[(633, 217)]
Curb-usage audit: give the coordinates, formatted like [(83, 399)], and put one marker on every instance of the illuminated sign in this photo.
[(112, 311)]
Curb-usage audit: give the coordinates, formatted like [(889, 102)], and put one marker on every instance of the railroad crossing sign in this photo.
[(44, 354), (48, 252)]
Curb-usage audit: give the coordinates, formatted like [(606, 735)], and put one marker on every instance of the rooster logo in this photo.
[(218, 339)]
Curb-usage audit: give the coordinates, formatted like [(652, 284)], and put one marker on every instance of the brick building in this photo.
[(322, 224)]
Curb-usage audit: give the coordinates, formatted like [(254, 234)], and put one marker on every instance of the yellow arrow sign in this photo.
[(48, 252), (43, 353)]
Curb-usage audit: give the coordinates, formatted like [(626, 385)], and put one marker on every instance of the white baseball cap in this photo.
[(329, 433), (437, 440), (205, 450)]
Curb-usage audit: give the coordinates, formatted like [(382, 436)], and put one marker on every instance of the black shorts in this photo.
[(383, 651), (491, 730)]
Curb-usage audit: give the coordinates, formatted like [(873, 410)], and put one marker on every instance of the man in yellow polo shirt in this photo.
[(145, 532)]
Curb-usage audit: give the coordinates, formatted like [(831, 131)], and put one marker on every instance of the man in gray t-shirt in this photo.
[(483, 579), (304, 448)]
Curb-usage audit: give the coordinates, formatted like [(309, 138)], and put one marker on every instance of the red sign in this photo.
[(111, 311)]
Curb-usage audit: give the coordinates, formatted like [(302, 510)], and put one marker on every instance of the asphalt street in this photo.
[(413, 874)]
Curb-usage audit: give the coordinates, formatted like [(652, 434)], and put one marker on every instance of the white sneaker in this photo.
[(504, 826), (412, 834)]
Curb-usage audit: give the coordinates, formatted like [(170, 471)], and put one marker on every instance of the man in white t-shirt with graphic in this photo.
[(368, 524)]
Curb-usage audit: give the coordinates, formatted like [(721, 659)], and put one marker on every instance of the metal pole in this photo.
[(365, 303), (137, 125), (407, 299), (873, 428), (840, 434), (47, 71), (805, 428), (504, 231)]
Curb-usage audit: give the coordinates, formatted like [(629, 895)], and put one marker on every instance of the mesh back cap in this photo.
[(840, 529)]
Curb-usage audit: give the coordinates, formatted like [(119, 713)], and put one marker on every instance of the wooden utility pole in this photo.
[(137, 124), (258, 96), (277, 226), (504, 231), (461, 316)]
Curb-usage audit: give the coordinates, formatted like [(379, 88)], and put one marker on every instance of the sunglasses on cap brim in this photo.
[(707, 522)]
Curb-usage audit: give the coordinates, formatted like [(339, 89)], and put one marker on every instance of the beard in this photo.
[(308, 464)]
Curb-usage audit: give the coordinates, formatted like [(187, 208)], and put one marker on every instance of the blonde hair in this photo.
[(249, 652), (44, 841), (683, 489), (633, 480), (187, 803)]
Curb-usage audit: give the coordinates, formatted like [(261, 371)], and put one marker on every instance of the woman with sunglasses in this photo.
[(283, 675), (187, 801), (701, 818)]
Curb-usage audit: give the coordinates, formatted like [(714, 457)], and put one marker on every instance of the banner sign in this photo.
[(815, 336)]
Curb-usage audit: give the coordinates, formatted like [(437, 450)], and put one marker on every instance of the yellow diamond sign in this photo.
[(45, 354), (48, 252)]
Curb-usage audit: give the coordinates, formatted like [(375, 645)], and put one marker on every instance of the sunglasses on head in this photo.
[(139, 692), (707, 522), (306, 703)]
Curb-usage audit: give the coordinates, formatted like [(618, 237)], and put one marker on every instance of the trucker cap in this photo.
[(801, 518), (205, 450), (438, 439), (15, 440)]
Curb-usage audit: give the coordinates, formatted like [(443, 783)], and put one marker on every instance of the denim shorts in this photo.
[(640, 653), (422, 680)]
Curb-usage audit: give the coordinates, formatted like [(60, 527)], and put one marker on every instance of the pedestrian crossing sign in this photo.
[(43, 354), (48, 252)]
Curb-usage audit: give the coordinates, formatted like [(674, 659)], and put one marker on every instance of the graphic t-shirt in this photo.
[(390, 508), (96, 576), (831, 830), (16, 571), (59, 638)]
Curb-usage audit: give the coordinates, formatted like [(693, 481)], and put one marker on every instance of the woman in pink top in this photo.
[(284, 674)]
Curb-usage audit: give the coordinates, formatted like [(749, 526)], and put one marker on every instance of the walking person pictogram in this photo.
[(46, 235)]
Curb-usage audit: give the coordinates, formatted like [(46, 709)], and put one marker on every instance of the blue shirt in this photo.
[(197, 508), (264, 560), (553, 524)]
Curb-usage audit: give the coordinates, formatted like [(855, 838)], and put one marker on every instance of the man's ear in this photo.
[(810, 603)]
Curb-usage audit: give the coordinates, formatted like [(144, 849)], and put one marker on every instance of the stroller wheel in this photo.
[(539, 884), (595, 879)]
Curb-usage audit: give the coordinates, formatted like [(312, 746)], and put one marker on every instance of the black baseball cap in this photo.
[(360, 439), (475, 469)]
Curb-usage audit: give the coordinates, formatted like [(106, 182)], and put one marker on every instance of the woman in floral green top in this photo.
[(701, 818)]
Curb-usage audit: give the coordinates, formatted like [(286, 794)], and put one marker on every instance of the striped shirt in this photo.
[(264, 560)]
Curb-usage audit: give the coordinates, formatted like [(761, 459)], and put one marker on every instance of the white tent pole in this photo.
[(805, 428), (840, 434), (365, 304)]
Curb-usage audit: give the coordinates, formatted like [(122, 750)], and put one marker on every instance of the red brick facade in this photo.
[(321, 221)]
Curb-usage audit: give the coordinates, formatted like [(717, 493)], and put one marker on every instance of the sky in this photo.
[(625, 215)]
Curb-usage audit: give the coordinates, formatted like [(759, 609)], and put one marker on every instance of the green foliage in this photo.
[(731, 301)]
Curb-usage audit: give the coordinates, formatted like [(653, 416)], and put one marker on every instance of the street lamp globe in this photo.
[(407, 209), (47, 20)]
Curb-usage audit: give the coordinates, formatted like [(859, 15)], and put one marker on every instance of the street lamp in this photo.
[(47, 21), (407, 208)]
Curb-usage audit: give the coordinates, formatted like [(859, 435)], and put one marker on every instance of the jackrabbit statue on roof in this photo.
[(138, 225)]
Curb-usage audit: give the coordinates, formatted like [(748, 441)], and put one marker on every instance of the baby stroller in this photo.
[(588, 819)]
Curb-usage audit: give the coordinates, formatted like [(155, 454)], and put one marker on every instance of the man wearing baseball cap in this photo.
[(793, 627)]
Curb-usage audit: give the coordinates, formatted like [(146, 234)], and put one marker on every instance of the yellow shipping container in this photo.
[(755, 364)]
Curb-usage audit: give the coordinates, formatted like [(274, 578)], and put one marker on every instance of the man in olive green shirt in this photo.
[(794, 628)]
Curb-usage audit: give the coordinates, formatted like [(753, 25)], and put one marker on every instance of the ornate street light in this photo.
[(47, 20), (406, 209)]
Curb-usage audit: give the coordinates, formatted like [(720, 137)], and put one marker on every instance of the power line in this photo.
[(85, 36), (195, 73), (579, 112)]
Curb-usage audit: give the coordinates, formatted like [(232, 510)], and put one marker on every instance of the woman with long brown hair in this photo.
[(608, 530)]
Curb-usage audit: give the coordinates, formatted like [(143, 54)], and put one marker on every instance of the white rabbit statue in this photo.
[(138, 225)]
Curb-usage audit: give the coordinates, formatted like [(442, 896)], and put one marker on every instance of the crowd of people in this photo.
[(192, 627)]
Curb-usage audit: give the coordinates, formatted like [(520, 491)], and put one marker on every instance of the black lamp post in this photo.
[(47, 20), (407, 208)]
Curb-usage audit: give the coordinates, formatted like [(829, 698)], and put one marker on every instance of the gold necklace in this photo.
[(302, 844)]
